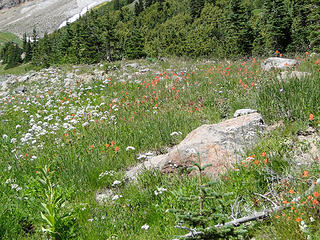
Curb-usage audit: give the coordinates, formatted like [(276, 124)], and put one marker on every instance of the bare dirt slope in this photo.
[(44, 15)]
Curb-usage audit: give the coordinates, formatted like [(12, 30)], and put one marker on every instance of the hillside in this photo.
[(44, 15), (11, 3), (163, 119), (217, 29), (106, 118)]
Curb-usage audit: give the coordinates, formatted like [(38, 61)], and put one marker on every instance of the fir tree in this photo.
[(196, 7), (314, 25)]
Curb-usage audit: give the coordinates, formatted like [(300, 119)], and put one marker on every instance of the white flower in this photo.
[(159, 191), (85, 124), (145, 227), (130, 148), (33, 158), (13, 140), (4, 136), (18, 126)]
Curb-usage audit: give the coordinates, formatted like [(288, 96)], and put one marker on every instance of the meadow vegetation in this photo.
[(62, 144)]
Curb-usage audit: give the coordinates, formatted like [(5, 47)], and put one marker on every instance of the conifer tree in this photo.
[(299, 27), (196, 7), (314, 25), (276, 22), (238, 36)]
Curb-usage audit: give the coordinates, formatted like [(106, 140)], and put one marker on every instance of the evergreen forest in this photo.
[(127, 29)]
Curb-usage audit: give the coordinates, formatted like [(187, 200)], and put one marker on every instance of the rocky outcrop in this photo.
[(278, 63), (11, 3), (220, 145)]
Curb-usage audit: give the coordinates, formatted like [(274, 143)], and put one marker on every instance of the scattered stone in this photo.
[(23, 79), (242, 112), (103, 195), (306, 147), (294, 74), (133, 65), (278, 63), (20, 89)]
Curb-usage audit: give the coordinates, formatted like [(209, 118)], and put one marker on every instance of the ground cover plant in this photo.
[(65, 139)]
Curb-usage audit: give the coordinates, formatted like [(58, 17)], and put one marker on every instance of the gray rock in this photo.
[(20, 89), (133, 65), (241, 112), (23, 79), (103, 195), (220, 145), (294, 74), (278, 63)]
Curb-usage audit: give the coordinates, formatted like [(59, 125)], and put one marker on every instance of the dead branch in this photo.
[(255, 216)]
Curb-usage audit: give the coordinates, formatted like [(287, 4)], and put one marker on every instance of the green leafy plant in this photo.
[(51, 207)]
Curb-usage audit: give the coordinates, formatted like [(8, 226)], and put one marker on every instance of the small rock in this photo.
[(294, 74), (103, 195), (278, 63), (242, 112), (23, 79), (20, 89), (133, 65)]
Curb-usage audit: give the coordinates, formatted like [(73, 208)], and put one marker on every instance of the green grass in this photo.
[(107, 116), (7, 37)]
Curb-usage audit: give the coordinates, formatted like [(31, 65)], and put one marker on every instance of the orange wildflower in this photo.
[(316, 194), (266, 160), (256, 162), (291, 191), (315, 202), (278, 216), (305, 173), (263, 154), (116, 149), (309, 197), (298, 219), (311, 117)]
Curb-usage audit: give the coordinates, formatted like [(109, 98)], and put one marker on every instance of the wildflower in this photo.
[(266, 160), (263, 154), (291, 191), (311, 117), (145, 227), (305, 173), (159, 191), (298, 219), (116, 149), (316, 194), (278, 216), (309, 197), (256, 162), (315, 202)]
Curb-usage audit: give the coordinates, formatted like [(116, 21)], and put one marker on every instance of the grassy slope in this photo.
[(176, 95), (6, 37)]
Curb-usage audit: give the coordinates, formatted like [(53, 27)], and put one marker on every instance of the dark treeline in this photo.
[(216, 28)]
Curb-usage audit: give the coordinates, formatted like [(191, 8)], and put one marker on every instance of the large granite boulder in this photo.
[(221, 145), (278, 63)]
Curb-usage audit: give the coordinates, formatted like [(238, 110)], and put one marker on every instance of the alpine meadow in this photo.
[(163, 119)]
